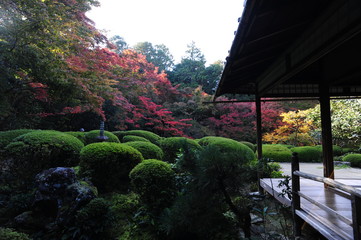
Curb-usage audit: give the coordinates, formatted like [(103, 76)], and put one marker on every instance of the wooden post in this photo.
[(296, 201), (328, 168), (356, 216), (259, 139)]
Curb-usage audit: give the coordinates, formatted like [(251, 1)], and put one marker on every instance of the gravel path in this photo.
[(317, 169)]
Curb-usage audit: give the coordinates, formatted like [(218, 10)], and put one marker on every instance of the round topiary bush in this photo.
[(78, 135), (172, 146), (147, 149), (233, 149), (152, 137), (108, 164), (39, 150), (276, 152), (131, 138), (154, 181), (91, 137), (7, 136), (308, 154), (354, 159), (10, 234)]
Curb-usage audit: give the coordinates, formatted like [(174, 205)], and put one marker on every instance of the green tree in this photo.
[(159, 55), (192, 72), (345, 120), (119, 43), (36, 37), (212, 76)]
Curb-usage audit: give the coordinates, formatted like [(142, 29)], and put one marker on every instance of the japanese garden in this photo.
[(103, 140)]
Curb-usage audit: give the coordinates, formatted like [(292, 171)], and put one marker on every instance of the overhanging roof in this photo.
[(295, 48)]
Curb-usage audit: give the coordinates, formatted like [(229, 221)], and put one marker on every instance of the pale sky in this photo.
[(174, 23)]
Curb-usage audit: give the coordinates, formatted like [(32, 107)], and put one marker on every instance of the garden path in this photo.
[(317, 169)]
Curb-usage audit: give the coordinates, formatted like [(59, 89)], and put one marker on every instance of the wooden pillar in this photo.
[(356, 216), (296, 201), (327, 152), (259, 127)]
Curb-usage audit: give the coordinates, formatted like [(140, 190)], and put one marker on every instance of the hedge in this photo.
[(308, 153), (276, 152), (354, 159)]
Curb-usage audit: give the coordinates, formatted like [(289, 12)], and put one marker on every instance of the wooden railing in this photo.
[(355, 196)]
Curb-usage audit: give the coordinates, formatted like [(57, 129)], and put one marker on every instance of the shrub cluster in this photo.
[(7, 136), (147, 149), (91, 137), (276, 152), (9, 234), (108, 164), (172, 146), (354, 159), (152, 137), (250, 145)]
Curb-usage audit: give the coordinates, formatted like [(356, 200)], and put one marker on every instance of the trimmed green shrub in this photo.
[(233, 150), (354, 159), (152, 137), (78, 135), (39, 150), (91, 137), (276, 152), (10, 234), (172, 146), (154, 182), (120, 134), (308, 153), (108, 164), (7, 136), (131, 138), (250, 145), (211, 139), (147, 149)]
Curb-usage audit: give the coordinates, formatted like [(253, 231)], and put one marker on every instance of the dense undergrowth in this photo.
[(57, 185)]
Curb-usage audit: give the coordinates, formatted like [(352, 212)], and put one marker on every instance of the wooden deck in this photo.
[(329, 225)]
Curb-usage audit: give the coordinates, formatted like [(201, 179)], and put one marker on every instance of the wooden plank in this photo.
[(329, 233), (338, 203)]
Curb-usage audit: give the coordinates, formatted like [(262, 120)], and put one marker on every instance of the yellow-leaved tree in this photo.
[(296, 130)]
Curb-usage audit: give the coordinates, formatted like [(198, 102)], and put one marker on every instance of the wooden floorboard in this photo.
[(339, 202)]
